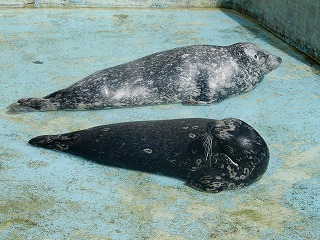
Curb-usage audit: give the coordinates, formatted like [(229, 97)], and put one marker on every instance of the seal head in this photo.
[(242, 159)]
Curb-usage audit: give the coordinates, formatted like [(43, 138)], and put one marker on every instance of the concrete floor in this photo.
[(51, 195)]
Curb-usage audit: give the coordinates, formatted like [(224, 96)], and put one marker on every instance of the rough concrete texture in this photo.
[(51, 195)]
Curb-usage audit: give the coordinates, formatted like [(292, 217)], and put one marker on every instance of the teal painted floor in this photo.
[(51, 195)]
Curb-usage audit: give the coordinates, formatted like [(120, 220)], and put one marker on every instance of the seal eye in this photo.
[(256, 56)]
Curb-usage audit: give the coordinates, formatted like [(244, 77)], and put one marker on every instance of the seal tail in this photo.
[(59, 142), (32, 104)]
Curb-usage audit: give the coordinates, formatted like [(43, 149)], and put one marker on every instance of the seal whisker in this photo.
[(207, 143)]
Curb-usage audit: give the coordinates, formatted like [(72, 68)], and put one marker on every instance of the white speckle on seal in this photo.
[(48, 140), (120, 94), (195, 127), (81, 106), (185, 55), (147, 150), (62, 147), (198, 161), (246, 171), (192, 135), (215, 184), (106, 91), (186, 127)]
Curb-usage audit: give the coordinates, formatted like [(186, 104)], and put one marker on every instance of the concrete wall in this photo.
[(110, 3), (296, 21)]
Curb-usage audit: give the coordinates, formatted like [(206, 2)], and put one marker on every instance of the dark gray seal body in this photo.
[(209, 155), (198, 74)]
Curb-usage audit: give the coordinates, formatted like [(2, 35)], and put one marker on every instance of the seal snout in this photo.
[(273, 62), (279, 59)]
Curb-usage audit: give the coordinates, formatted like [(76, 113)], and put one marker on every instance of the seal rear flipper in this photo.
[(57, 142), (221, 174), (32, 104)]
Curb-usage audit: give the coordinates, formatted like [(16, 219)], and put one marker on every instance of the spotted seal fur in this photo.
[(198, 74), (209, 155)]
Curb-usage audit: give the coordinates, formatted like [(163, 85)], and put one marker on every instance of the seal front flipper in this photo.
[(216, 178), (59, 142), (207, 184), (193, 102)]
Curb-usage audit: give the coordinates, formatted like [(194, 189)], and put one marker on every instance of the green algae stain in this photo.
[(253, 215), (8, 154), (22, 222), (19, 216), (121, 16), (120, 19), (37, 164)]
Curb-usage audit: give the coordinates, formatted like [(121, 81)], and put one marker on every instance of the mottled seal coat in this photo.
[(198, 74), (209, 155)]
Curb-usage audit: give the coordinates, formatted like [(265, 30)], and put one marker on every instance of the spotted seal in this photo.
[(209, 155), (198, 74)]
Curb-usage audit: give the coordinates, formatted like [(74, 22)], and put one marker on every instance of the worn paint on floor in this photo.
[(51, 195)]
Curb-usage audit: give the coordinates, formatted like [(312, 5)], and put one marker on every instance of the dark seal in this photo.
[(209, 155), (199, 74)]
